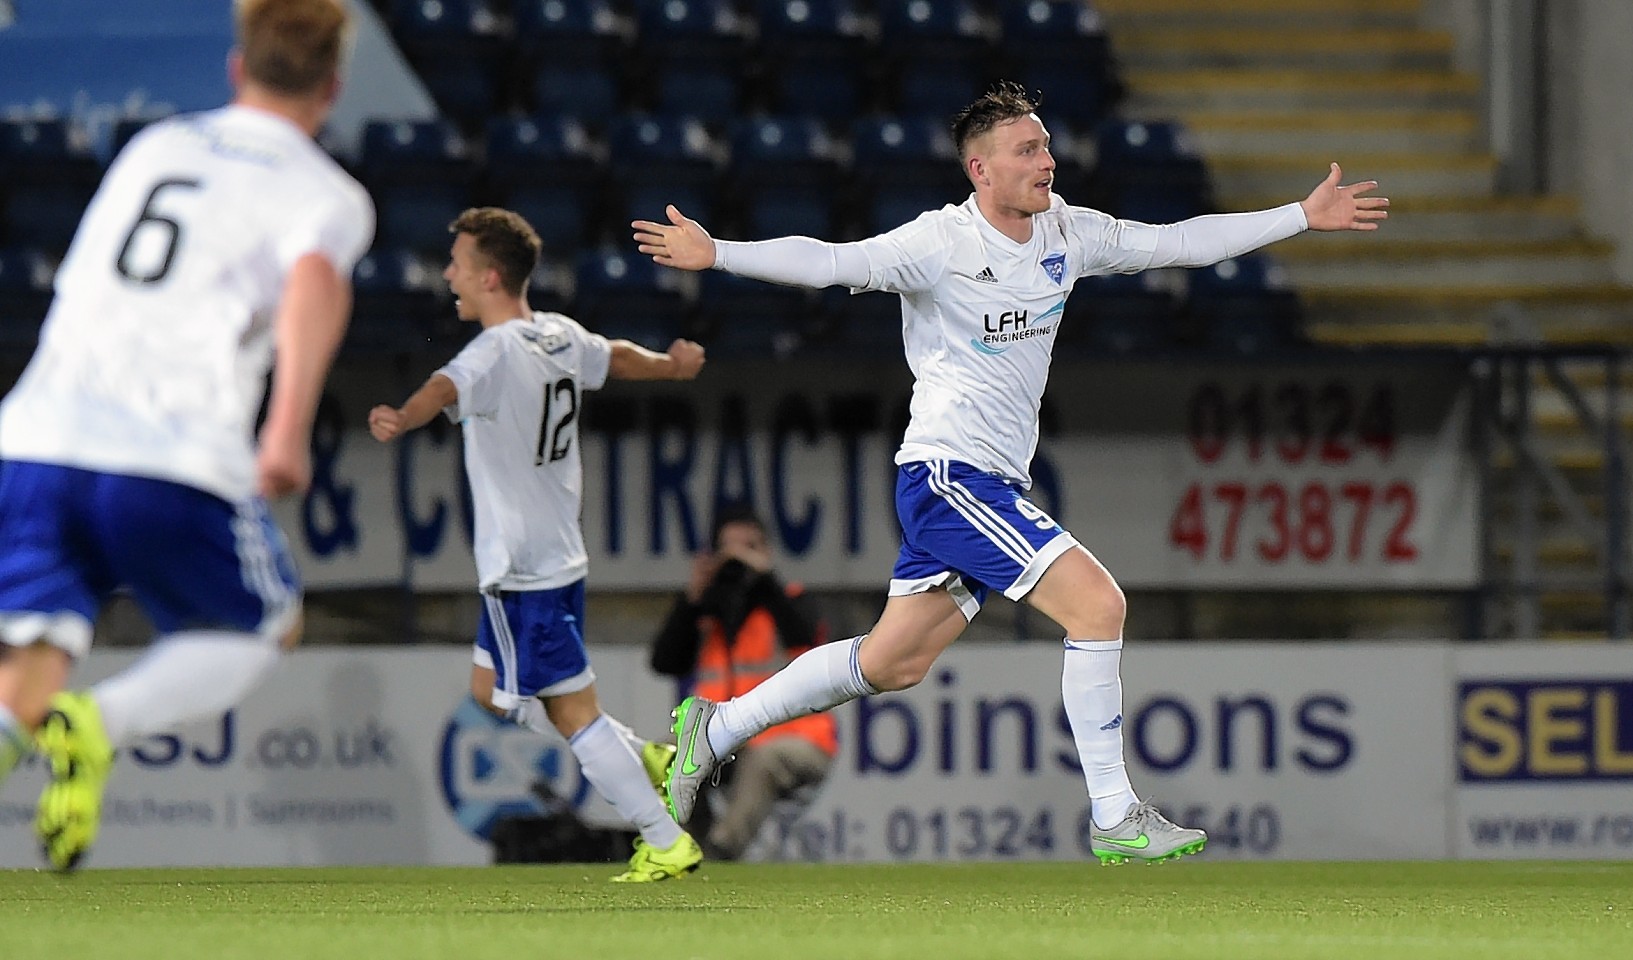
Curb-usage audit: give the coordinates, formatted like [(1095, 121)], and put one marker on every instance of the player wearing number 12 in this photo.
[(983, 285), (516, 391), (129, 449)]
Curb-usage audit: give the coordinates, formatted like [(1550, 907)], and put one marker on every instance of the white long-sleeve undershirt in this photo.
[(1199, 241)]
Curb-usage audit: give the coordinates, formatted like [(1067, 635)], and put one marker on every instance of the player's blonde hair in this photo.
[(293, 47)]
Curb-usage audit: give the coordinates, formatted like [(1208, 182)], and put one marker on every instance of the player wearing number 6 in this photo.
[(516, 391), (129, 446), (982, 284)]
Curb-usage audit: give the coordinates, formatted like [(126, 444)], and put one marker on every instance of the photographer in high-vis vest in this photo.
[(736, 624)]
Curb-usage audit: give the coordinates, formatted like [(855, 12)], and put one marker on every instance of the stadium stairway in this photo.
[(1273, 90)]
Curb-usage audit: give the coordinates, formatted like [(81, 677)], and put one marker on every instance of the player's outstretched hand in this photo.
[(385, 422), (688, 357), (283, 464), (1333, 207), (681, 243)]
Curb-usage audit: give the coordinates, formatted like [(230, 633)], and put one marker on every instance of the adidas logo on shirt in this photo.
[(985, 276)]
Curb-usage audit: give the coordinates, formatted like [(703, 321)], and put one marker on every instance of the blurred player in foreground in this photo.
[(516, 390), (130, 457), (1013, 249)]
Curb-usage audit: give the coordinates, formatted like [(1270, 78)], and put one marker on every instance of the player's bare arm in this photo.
[(312, 316), (388, 423), (631, 361), (681, 243), (1331, 206)]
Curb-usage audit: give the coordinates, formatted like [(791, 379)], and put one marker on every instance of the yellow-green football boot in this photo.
[(650, 865), (79, 758)]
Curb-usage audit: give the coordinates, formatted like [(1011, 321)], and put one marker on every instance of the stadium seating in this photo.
[(905, 165), (784, 175), (656, 160), (1150, 172), (624, 294), (1244, 306), (25, 294), (46, 181), (396, 296), (761, 118), (740, 317), (1122, 314)]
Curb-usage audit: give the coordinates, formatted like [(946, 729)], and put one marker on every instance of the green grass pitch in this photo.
[(1196, 909)]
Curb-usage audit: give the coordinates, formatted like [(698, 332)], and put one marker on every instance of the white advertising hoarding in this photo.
[(1281, 751), (1262, 476)]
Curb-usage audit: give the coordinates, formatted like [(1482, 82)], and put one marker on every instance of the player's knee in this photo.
[(902, 673), (1100, 614)]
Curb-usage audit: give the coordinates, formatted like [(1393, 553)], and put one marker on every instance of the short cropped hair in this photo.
[(1005, 101), (729, 513), (506, 239), (293, 47)]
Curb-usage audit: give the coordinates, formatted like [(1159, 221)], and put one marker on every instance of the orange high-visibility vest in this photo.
[(729, 668)]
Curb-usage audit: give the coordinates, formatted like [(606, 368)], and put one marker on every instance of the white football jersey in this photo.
[(153, 357), (979, 316), (520, 386)]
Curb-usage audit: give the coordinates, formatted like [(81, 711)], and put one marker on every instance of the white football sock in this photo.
[(616, 773), (531, 715), (1092, 690), (183, 677), (818, 679)]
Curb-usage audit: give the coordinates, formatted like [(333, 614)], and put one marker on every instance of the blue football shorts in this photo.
[(533, 641), (970, 531), (193, 561)]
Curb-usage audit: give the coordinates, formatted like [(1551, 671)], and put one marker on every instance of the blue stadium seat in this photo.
[(810, 28), (689, 27), (443, 21), (413, 151), (936, 28), (782, 147), (706, 88), (545, 149), (415, 216), (1122, 314), (467, 90), (572, 29), (751, 318), (1074, 91), (825, 86), (784, 172), (1150, 172), (586, 90), (1245, 306), (396, 296), (627, 295), (1051, 29), (661, 149), (863, 324), (938, 88), (902, 147), (905, 165), (888, 206), (563, 214), (25, 295)]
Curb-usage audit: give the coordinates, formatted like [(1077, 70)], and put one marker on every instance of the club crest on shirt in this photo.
[(1055, 266), (547, 343)]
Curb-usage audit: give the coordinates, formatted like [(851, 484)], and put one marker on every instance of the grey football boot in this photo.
[(694, 761), (1145, 835)]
